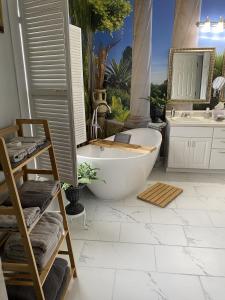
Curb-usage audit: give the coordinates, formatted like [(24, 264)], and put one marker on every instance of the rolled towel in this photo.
[(30, 215), (52, 286), (28, 147), (16, 155), (39, 141), (44, 238)]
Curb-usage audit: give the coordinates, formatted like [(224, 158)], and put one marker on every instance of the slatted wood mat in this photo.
[(160, 194)]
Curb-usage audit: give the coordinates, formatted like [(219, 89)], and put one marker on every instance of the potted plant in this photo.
[(158, 100), (86, 175)]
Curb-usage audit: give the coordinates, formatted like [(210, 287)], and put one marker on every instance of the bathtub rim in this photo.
[(140, 155)]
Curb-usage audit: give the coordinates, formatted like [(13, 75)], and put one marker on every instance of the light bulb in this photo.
[(205, 26), (218, 27)]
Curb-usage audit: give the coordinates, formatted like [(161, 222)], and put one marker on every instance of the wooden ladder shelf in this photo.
[(27, 274)]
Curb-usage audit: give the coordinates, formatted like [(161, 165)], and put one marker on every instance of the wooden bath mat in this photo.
[(160, 194)]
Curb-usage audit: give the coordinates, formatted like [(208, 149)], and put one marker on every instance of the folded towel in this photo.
[(28, 147), (3, 197), (49, 186), (36, 193), (30, 215), (44, 238), (63, 285), (52, 287), (2, 236), (39, 141), (16, 155)]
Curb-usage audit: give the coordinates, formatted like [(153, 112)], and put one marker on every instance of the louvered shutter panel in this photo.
[(77, 83), (45, 30)]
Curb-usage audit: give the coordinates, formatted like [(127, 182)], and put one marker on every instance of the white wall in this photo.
[(9, 100)]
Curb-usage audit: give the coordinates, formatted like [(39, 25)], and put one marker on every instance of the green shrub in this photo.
[(119, 93), (119, 112)]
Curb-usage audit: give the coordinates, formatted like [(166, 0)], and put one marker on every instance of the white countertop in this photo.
[(198, 122), (194, 119)]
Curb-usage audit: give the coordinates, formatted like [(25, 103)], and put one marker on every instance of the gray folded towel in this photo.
[(53, 286), (30, 215), (28, 147), (36, 193), (16, 155), (44, 238), (39, 141), (49, 186)]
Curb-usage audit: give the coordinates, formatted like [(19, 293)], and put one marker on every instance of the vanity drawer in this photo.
[(219, 132), (191, 132), (217, 160), (218, 143)]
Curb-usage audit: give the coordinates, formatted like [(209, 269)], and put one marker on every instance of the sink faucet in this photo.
[(94, 123), (173, 112), (185, 115)]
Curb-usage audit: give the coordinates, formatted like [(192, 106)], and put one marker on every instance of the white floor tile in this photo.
[(214, 287), (122, 214), (217, 218), (91, 284), (213, 203), (205, 237), (134, 285), (152, 234), (179, 217), (118, 255), (211, 191), (188, 260), (77, 246), (190, 202), (129, 242), (96, 231)]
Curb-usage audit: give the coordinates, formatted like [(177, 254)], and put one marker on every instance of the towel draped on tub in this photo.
[(44, 239)]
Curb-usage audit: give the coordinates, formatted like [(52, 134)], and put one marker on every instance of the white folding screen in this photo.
[(45, 28), (77, 83)]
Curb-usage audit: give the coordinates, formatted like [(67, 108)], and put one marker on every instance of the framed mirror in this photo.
[(222, 92), (190, 75)]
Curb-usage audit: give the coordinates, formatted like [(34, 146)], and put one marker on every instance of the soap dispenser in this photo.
[(207, 113)]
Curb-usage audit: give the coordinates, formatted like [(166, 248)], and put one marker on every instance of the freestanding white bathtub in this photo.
[(124, 172)]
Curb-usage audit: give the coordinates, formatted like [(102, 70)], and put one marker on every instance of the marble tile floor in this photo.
[(135, 251)]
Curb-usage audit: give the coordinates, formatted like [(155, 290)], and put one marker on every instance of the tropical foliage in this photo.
[(218, 65), (119, 112), (118, 93), (118, 75), (92, 16), (86, 175), (108, 15)]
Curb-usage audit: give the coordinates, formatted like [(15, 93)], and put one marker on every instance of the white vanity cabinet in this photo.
[(217, 160), (189, 147), (191, 153)]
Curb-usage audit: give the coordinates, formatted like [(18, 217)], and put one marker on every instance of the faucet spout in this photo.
[(94, 122)]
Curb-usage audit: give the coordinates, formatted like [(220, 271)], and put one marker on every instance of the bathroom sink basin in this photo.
[(187, 119)]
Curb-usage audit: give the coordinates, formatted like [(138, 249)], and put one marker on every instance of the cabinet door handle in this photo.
[(222, 152), (188, 144)]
